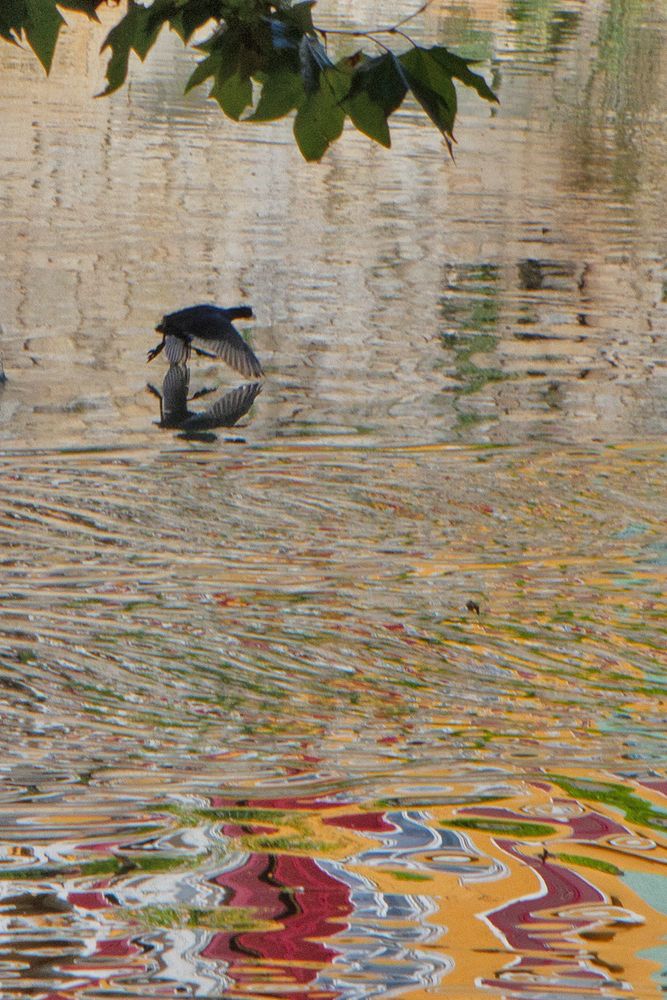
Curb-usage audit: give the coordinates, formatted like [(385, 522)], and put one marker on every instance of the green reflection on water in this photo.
[(508, 828), (586, 862), (177, 917), (631, 805)]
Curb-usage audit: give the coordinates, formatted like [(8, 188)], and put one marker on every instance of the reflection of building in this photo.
[(570, 922), (522, 898), (388, 947), (411, 841), (305, 901), (337, 932), (542, 928)]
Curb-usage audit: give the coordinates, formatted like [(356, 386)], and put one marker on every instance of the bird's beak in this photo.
[(160, 327)]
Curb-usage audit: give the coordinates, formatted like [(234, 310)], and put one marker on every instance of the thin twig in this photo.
[(360, 34), (356, 33), (404, 34), (416, 13), (393, 29), (377, 42)]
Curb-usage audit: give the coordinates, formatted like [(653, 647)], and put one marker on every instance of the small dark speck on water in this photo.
[(472, 606)]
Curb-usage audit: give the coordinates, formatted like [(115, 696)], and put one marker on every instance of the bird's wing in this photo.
[(228, 344), (176, 349), (226, 411), (175, 395), (212, 328)]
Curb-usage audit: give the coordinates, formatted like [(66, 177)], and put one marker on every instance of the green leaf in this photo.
[(282, 91), (238, 60), (233, 92), (383, 80), (88, 7), (192, 15), (432, 86), (300, 15), (203, 70), (378, 88), (224, 54), (369, 117), (319, 120), (458, 67), (158, 15), (13, 16), (41, 29), (137, 32), (232, 61)]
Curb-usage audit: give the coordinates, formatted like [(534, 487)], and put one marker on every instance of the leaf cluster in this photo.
[(39, 22), (264, 59)]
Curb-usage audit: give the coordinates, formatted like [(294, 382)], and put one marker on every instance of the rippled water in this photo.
[(364, 696)]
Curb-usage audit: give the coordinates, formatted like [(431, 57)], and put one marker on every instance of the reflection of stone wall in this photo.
[(417, 900), (123, 208)]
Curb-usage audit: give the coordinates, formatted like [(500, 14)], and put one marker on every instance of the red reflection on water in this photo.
[(306, 901), (524, 924), (117, 948), (655, 786), (89, 900), (594, 826), (364, 822), (542, 923)]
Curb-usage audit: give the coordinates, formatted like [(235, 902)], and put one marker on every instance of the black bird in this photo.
[(225, 412), (213, 327)]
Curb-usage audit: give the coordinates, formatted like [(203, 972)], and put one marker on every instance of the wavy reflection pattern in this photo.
[(402, 909)]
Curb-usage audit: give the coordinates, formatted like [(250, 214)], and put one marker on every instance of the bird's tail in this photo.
[(240, 312)]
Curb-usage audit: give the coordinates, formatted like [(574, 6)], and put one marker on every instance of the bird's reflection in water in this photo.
[(199, 425)]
